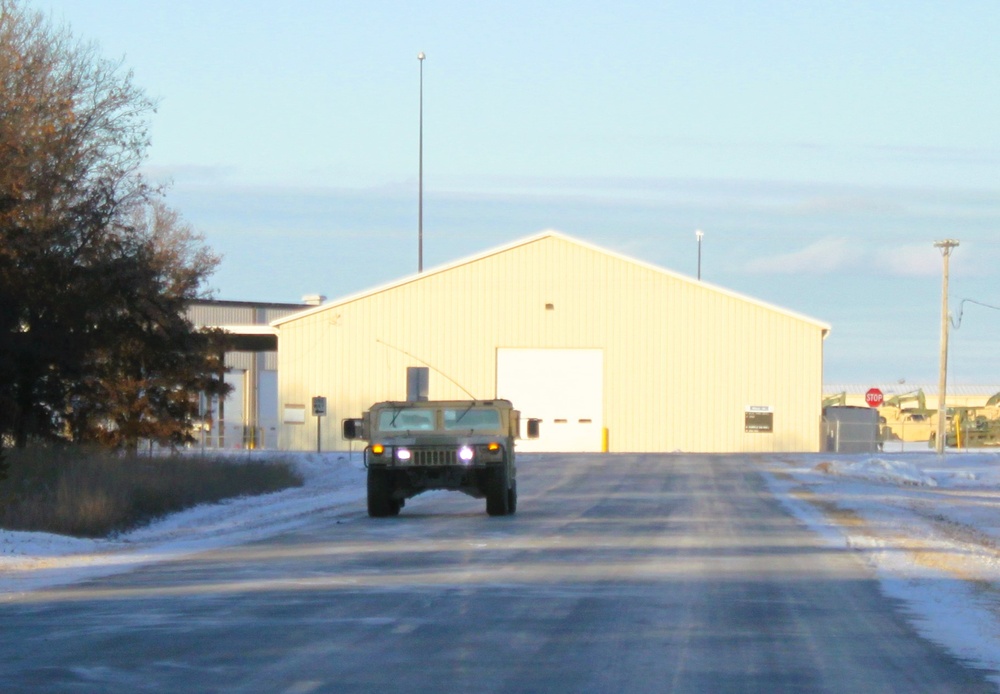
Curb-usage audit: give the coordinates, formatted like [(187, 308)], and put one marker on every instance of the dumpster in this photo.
[(849, 429)]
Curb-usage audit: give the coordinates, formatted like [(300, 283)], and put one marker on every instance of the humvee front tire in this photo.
[(497, 499), (380, 502), (512, 497)]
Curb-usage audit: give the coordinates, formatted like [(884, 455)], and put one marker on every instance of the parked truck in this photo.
[(461, 445)]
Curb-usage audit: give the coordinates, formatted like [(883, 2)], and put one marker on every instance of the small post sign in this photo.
[(319, 411), (758, 419)]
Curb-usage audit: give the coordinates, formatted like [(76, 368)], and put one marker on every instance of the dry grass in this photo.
[(90, 493)]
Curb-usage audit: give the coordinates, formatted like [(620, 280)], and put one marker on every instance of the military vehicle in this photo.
[(462, 445)]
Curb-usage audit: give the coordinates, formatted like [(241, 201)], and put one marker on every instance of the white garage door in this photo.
[(562, 387)]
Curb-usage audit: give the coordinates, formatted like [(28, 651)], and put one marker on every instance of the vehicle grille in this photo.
[(425, 456)]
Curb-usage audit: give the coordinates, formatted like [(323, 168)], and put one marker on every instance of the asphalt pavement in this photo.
[(619, 573)]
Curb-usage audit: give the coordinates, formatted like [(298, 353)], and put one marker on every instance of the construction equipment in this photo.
[(837, 400), (972, 427)]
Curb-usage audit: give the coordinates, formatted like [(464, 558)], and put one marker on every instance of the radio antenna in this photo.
[(429, 366)]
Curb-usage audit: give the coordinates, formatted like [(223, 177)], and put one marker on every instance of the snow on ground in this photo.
[(927, 524), (29, 561)]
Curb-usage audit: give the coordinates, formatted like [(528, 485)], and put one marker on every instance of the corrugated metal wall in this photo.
[(682, 360), (249, 414), (238, 313)]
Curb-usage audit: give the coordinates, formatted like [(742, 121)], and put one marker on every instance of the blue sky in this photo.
[(821, 146)]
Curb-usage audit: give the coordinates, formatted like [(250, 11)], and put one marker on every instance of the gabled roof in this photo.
[(825, 327)]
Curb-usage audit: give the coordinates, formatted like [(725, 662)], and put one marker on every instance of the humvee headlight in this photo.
[(465, 454), (493, 446), (378, 449), (403, 454)]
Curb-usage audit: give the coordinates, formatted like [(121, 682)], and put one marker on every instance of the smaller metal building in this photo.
[(611, 353), (248, 416)]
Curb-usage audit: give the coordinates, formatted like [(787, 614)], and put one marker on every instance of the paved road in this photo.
[(655, 573)]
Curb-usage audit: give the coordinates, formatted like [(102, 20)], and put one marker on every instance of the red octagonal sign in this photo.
[(873, 397)]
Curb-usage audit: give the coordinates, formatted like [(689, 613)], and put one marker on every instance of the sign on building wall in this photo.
[(294, 414), (759, 419)]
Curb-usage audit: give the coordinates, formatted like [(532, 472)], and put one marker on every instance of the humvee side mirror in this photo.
[(354, 429), (533, 428)]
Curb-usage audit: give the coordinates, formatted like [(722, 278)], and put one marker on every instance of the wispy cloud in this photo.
[(981, 156), (870, 205), (822, 257), (909, 261), (851, 256), (189, 173)]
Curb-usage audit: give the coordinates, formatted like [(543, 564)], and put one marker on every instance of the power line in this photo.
[(957, 322)]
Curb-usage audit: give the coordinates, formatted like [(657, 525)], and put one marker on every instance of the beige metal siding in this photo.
[(682, 359)]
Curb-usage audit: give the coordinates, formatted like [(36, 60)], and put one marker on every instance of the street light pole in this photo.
[(946, 248), (420, 175), (698, 235)]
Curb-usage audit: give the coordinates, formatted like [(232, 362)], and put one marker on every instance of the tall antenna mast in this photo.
[(420, 176)]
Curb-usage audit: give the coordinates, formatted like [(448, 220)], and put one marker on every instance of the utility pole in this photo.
[(946, 247)]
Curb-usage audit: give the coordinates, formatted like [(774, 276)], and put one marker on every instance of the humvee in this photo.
[(462, 445)]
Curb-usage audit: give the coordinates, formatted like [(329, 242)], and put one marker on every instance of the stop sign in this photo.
[(873, 397)]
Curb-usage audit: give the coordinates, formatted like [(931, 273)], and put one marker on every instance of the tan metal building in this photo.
[(610, 352)]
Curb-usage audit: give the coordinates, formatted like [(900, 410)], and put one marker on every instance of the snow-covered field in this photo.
[(928, 525)]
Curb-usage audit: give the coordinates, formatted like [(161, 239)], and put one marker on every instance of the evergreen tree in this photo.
[(144, 383), (84, 280)]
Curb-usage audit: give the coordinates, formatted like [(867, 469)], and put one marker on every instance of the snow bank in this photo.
[(926, 524), (892, 471)]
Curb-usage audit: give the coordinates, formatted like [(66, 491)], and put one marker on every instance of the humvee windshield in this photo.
[(471, 419), (452, 419), (406, 419)]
